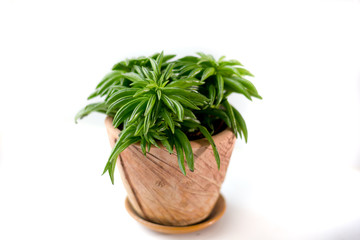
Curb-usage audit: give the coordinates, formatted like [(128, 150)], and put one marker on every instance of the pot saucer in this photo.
[(214, 216)]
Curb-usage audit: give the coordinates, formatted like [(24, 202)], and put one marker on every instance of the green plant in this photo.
[(154, 100)]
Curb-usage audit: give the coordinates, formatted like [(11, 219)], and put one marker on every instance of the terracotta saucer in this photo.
[(214, 216)]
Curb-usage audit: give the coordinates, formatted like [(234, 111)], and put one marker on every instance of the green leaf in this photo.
[(167, 101), (167, 145), (194, 96), (153, 77), (121, 93), (156, 111), (118, 148), (231, 115), (168, 57), (139, 71), (206, 58), (159, 60), (228, 71), (143, 146), (184, 101), (189, 114), (244, 72), (241, 122), (169, 121), (150, 104), (218, 113), (134, 77), (168, 71), (119, 103), (111, 75), (187, 69), (203, 55), (125, 110), (126, 133), (251, 89), (189, 59), (158, 93), (220, 89), (105, 87), (121, 66), (156, 136), (185, 83), (179, 109), (153, 142), (94, 94), (148, 146), (93, 107), (112, 90), (155, 67), (180, 155), (230, 63), (194, 72), (147, 123), (207, 73), (207, 135), (139, 127), (141, 91), (138, 110), (183, 139), (212, 94), (236, 87), (146, 72)]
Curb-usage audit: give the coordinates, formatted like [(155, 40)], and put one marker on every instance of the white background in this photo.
[(297, 178)]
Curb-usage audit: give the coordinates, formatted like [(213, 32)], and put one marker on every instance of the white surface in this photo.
[(297, 178)]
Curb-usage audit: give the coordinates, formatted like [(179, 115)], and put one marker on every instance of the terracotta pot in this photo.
[(157, 189)]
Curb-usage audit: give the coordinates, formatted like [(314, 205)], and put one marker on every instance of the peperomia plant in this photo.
[(154, 100)]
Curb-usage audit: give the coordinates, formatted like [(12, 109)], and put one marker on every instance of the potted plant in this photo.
[(172, 130)]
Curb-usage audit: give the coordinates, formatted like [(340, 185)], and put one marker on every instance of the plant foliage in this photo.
[(155, 100)]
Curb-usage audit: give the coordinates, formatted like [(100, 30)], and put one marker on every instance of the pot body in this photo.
[(157, 189)]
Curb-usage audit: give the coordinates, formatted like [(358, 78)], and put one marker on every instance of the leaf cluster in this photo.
[(156, 101)]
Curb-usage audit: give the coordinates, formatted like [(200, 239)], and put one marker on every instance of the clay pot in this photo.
[(157, 189)]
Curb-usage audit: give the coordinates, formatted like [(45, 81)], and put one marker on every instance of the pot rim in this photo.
[(194, 143)]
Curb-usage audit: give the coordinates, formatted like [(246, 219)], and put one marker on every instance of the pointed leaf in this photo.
[(167, 145), (179, 109), (241, 122), (159, 60), (180, 156), (155, 67), (244, 72), (150, 104), (169, 121), (231, 115), (93, 107), (194, 72), (194, 96), (207, 135), (121, 93), (207, 73), (134, 77), (167, 101), (143, 146), (185, 83), (184, 101), (236, 87), (125, 110), (183, 139), (168, 57), (220, 89), (138, 110), (118, 148)]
